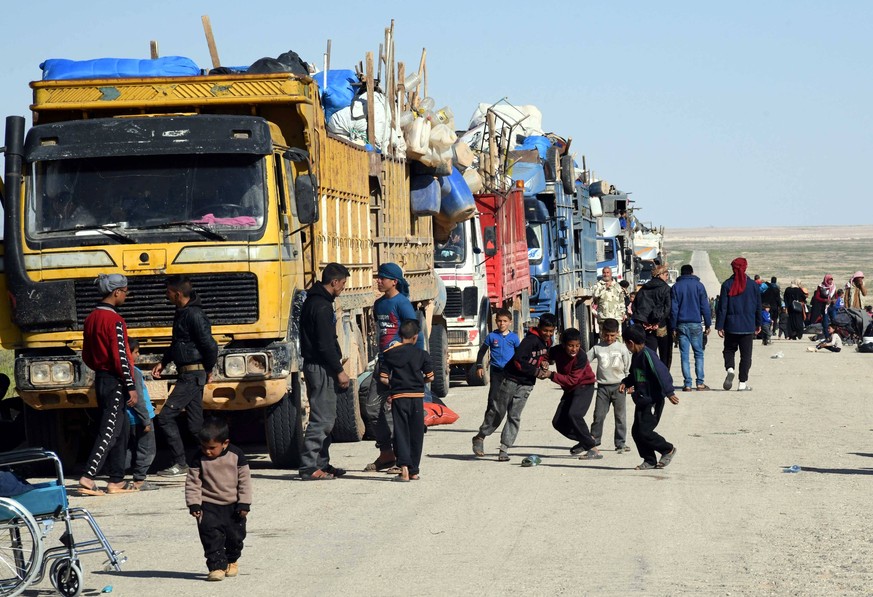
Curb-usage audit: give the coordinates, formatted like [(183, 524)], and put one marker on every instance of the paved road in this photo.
[(723, 519), (703, 270)]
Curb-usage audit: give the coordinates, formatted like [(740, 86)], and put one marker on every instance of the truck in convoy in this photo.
[(649, 250), (484, 267), (229, 179), (561, 238), (615, 233)]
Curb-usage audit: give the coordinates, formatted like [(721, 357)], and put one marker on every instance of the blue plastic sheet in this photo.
[(340, 90), (60, 69), (538, 142)]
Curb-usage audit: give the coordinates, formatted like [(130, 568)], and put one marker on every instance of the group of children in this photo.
[(629, 368)]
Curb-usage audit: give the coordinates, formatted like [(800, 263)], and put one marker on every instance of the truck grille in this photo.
[(454, 304), (457, 337), (228, 299)]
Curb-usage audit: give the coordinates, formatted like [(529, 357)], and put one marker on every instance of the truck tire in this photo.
[(473, 379), (584, 317), (49, 430), (349, 426), (552, 164), (284, 427), (439, 354), (568, 174)]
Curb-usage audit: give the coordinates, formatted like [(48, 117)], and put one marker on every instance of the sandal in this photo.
[(591, 455), (82, 491), (502, 457), (645, 466), (317, 476), (666, 458), (400, 479), (478, 446), (378, 466), (335, 471), (394, 470)]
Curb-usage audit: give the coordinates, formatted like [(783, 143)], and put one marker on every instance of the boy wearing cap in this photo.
[(106, 351)]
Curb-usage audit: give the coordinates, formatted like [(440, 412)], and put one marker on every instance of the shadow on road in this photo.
[(865, 454), (836, 471), (156, 574)]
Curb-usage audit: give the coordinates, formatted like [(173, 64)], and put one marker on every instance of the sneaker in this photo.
[(626, 449), (215, 575), (177, 470), (478, 446), (232, 570), (728, 380), (621, 449)]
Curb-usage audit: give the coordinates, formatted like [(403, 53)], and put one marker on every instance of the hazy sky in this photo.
[(712, 113)]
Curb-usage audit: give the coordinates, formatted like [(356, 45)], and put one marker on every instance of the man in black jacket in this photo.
[(652, 307), (322, 371), (194, 351)]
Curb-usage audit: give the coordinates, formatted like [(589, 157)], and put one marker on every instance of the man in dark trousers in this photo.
[(106, 351), (651, 308), (322, 371), (738, 321), (194, 351)]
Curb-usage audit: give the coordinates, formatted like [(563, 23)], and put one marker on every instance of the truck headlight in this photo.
[(240, 365), (50, 373)]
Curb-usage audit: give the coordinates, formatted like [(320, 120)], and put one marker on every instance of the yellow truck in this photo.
[(229, 179)]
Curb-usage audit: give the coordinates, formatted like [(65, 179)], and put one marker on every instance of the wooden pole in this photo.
[(370, 99), (210, 41), (153, 46), (422, 70), (492, 149), (327, 64)]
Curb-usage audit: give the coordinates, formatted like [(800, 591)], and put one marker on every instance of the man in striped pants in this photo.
[(105, 350)]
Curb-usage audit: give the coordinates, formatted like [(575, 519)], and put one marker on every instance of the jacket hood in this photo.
[(654, 283), (318, 289)]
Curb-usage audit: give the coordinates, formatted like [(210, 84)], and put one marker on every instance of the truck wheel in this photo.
[(439, 353), (49, 430), (584, 317), (473, 378), (568, 174), (284, 427), (349, 426)]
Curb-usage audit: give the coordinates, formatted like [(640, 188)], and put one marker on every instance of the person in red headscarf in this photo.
[(738, 321)]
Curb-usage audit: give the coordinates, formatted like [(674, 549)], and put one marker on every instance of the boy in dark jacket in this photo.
[(649, 383), (218, 493), (652, 307), (573, 373), (405, 368), (519, 377)]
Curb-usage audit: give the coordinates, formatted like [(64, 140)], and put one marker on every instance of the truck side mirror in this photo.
[(306, 199), (490, 241)]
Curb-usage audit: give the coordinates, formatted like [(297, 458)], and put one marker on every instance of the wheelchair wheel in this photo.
[(21, 548), (66, 577)]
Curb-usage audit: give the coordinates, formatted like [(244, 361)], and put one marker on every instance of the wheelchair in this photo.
[(27, 520)]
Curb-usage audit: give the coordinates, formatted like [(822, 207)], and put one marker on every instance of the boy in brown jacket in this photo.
[(218, 492)]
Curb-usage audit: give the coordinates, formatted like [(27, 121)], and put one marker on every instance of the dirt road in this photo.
[(723, 519)]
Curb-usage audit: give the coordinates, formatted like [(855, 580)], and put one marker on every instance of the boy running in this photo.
[(649, 383), (502, 344), (519, 377)]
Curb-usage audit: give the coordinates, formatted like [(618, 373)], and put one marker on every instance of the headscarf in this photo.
[(109, 283), (392, 271), (856, 275), (795, 283), (739, 285), (827, 287)]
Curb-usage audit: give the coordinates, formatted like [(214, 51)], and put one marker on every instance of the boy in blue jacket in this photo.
[(738, 321), (649, 383)]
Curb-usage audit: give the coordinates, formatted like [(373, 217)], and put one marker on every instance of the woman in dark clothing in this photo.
[(821, 298), (795, 317)]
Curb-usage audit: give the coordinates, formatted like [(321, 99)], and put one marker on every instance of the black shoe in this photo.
[(577, 449)]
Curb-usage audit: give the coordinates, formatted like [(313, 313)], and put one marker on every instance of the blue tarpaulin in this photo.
[(59, 69)]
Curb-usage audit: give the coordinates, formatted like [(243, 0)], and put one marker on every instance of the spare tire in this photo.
[(568, 174)]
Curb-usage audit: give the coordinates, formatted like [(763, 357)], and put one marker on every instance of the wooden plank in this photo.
[(371, 119), (153, 47), (210, 41)]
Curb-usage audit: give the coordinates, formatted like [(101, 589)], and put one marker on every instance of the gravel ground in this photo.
[(723, 519)]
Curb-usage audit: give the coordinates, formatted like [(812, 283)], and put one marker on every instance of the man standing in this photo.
[(690, 306), (738, 321), (106, 351), (773, 297), (651, 308), (609, 298), (322, 371), (194, 351)]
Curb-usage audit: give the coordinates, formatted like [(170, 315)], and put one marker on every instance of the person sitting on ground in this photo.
[(835, 344)]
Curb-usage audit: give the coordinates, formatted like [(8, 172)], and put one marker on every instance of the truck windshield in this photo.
[(454, 250), (146, 196), (535, 243)]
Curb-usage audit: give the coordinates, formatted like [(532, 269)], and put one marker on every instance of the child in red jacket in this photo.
[(573, 373)]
